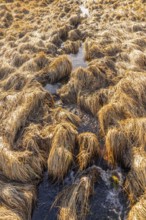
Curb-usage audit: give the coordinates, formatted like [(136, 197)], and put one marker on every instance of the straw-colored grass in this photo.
[(18, 197), (61, 153), (74, 200), (136, 179), (62, 115), (88, 149), (138, 211)]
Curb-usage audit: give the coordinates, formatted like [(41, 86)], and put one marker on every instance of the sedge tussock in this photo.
[(18, 197), (14, 82), (22, 166), (74, 35), (138, 211), (62, 115), (125, 101), (92, 50), (88, 148), (18, 59), (5, 71), (59, 68), (71, 46), (31, 100), (94, 101), (116, 148), (36, 139), (74, 200), (55, 39), (81, 79), (51, 48), (8, 214), (61, 153), (75, 20), (121, 140), (135, 183), (63, 32)]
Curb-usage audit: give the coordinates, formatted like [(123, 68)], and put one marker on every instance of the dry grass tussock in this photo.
[(135, 181), (138, 211), (121, 140), (62, 115), (61, 153), (74, 200), (19, 198), (88, 149), (127, 101), (8, 214), (57, 70), (93, 102), (80, 80)]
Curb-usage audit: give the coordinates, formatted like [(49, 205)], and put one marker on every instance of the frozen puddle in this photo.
[(52, 88), (78, 59), (85, 11)]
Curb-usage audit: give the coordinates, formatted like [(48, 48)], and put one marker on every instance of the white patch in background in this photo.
[(84, 10)]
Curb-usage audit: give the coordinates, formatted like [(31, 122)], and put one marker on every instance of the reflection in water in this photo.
[(78, 59)]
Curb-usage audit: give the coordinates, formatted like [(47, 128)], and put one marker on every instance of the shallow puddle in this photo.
[(52, 88), (78, 59), (85, 11)]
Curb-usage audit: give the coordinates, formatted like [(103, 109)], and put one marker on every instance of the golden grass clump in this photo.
[(60, 115), (138, 211), (37, 63), (19, 59), (51, 48), (94, 101), (127, 101), (71, 46), (74, 35), (117, 149), (121, 140), (88, 148), (135, 183), (5, 71), (59, 68), (18, 197), (92, 50), (36, 138), (61, 153), (75, 19), (14, 82), (8, 214), (63, 32), (22, 166), (31, 99), (138, 58), (81, 80), (74, 200)]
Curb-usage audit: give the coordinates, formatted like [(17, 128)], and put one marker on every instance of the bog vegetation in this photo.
[(37, 133)]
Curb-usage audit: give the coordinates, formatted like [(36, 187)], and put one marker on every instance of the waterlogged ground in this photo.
[(108, 38), (108, 200)]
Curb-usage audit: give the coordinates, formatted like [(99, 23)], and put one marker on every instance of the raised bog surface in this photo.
[(72, 110)]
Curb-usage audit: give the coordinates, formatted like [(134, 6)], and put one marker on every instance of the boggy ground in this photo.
[(92, 126)]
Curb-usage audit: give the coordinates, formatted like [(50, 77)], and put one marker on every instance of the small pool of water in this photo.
[(52, 88), (84, 10), (78, 59)]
